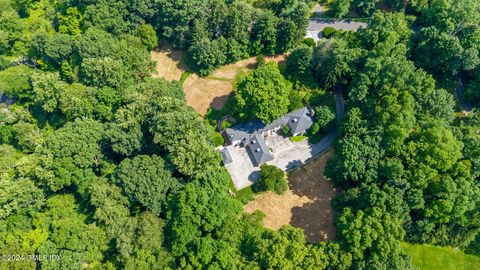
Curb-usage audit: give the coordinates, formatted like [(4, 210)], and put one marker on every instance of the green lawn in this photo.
[(297, 138), (428, 257), (245, 195)]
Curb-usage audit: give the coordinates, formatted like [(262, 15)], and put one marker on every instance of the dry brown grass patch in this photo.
[(169, 63), (213, 90), (307, 203), (202, 92)]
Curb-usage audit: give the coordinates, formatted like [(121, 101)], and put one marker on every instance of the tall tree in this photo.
[(146, 181), (263, 94)]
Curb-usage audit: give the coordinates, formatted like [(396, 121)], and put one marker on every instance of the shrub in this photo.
[(260, 60), (272, 178), (315, 128), (324, 117), (297, 138), (226, 124), (309, 42), (329, 31), (184, 76), (217, 138)]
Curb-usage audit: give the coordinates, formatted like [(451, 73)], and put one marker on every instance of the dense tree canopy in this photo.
[(146, 180), (263, 94), (448, 42), (110, 169), (219, 32)]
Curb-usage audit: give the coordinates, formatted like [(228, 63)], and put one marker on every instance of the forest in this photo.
[(111, 169)]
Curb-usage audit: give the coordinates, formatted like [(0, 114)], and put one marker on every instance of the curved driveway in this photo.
[(327, 141), (460, 93)]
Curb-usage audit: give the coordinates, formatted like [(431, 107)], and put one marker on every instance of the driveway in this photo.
[(288, 155), (241, 169), (316, 26), (460, 93)]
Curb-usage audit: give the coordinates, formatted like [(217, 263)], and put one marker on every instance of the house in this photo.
[(299, 121), (258, 150), (251, 135), (226, 156)]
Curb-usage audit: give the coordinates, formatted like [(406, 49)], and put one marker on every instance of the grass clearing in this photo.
[(428, 257), (203, 93), (169, 63), (277, 208), (245, 195)]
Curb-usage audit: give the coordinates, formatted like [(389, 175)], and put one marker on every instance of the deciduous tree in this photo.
[(263, 94)]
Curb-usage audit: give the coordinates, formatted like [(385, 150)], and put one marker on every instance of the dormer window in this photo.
[(257, 150), (254, 141)]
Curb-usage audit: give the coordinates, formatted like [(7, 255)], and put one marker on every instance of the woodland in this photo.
[(111, 169)]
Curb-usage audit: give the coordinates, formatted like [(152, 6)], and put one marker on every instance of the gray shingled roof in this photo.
[(258, 150), (299, 120), (246, 130), (234, 134), (226, 156)]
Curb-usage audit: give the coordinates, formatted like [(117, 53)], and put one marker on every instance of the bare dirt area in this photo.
[(169, 63), (307, 203), (213, 90)]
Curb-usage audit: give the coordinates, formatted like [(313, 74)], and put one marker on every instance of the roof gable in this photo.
[(299, 120), (258, 150)]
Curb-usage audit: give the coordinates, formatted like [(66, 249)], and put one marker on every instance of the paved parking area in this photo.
[(241, 170), (288, 155), (278, 143)]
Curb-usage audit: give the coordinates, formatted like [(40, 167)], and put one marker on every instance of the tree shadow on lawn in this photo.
[(316, 218), (221, 106), (174, 54), (219, 102)]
